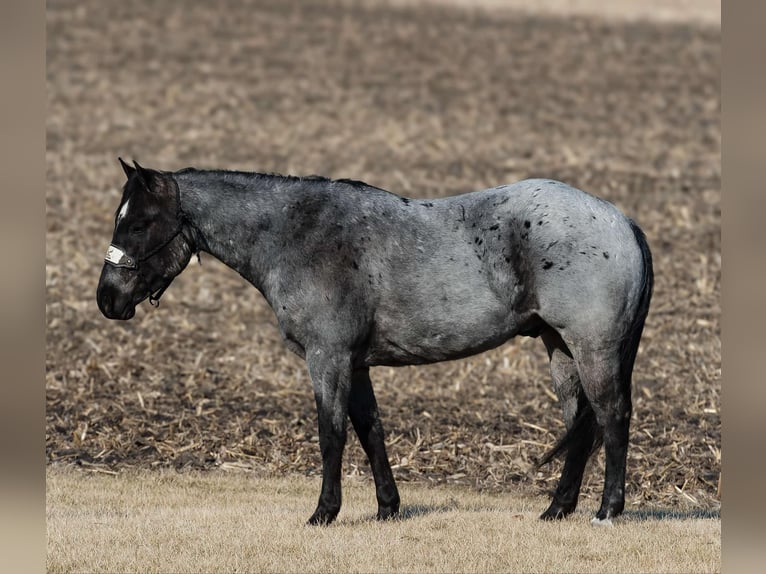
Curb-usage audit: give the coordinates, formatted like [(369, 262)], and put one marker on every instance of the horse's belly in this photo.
[(445, 300), (428, 334)]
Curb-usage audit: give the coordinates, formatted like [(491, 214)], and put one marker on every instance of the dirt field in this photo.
[(423, 101)]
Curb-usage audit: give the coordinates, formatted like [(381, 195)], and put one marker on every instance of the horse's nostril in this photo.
[(104, 302)]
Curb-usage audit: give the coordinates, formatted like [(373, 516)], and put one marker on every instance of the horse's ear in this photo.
[(126, 168), (152, 180), (144, 175)]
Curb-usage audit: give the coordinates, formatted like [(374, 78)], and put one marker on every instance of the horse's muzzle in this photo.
[(113, 300), (113, 308)]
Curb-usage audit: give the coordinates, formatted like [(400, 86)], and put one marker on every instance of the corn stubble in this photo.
[(422, 101)]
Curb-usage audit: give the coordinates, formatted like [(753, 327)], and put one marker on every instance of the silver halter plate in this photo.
[(117, 257)]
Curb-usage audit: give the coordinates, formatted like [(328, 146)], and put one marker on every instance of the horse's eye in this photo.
[(137, 230)]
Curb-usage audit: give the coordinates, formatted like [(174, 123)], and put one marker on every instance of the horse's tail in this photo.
[(584, 425), (628, 349)]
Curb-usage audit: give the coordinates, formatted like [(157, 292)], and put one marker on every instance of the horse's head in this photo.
[(151, 243)]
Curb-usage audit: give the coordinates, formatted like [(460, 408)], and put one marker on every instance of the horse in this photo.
[(358, 276)]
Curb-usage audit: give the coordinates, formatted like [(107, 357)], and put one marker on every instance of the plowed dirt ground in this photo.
[(422, 100)]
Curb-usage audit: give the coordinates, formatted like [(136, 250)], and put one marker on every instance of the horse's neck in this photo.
[(228, 219)]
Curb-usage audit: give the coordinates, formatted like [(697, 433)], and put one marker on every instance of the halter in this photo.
[(117, 257)]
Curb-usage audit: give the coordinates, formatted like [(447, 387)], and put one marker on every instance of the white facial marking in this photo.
[(123, 211)]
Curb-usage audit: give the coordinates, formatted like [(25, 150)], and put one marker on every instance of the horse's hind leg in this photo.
[(363, 411), (580, 423), (606, 379)]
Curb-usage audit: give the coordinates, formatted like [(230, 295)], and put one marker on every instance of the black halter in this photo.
[(117, 257)]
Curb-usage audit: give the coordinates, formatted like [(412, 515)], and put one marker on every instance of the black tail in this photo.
[(630, 344), (628, 351), (584, 425)]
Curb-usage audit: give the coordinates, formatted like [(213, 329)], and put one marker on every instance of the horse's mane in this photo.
[(235, 174)]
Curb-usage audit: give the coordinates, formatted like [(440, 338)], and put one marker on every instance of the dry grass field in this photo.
[(193, 522), (423, 100)]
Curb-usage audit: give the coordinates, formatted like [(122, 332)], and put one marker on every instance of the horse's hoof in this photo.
[(388, 513), (321, 518), (603, 522), (556, 512)]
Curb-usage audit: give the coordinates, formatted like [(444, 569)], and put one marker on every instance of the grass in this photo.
[(143, 521)]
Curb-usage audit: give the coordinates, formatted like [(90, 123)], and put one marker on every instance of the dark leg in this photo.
[(331, 379), (363, 410), (579, 420), (608, 390)]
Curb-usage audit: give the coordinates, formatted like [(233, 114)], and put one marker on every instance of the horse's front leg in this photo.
[(331, 378)]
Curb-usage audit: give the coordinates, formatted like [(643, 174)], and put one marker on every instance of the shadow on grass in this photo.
[(411, 511), (670, 514)]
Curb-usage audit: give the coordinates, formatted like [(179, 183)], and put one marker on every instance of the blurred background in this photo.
[(426, 99)]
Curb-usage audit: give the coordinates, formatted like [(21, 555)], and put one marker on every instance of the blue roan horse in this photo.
[(358, 276)]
